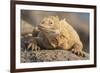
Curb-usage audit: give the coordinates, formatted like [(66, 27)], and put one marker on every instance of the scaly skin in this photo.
[(59, 34)]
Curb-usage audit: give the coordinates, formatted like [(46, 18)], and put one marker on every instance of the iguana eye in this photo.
[(50, 22), (42, 22)]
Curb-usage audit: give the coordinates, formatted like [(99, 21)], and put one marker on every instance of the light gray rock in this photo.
[(50, 55)]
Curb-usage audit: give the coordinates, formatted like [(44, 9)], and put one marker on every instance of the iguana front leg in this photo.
[(77, 49), (33, 45)]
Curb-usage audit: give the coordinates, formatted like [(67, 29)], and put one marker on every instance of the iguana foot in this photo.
[(78, 52)]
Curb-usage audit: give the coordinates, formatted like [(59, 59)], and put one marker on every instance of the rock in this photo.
[(50, 55)]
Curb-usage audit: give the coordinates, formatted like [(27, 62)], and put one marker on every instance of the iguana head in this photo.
[(49, 24)]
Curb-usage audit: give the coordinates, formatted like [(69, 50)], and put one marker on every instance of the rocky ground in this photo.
[(49, 55)]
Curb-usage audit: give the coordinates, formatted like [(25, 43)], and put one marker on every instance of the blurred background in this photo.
[(79, 21)]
